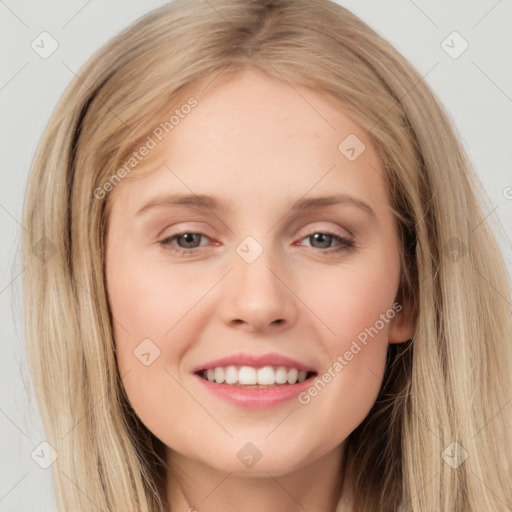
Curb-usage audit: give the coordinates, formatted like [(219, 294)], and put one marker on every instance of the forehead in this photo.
[(259, 133)]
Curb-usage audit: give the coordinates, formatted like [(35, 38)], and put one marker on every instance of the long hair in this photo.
[(438, 437)]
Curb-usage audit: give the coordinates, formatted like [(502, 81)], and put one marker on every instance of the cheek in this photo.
[(357, 305), (345, 391), (149, 314), (354, 299), (148, 303)]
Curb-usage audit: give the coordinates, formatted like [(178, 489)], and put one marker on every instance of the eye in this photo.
[(185, 242), (325, 239)]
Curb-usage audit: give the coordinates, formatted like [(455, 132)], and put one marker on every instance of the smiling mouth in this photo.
[(255, 377)]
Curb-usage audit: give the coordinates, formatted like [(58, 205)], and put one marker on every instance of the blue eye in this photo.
[(325, 238), (186, 243)]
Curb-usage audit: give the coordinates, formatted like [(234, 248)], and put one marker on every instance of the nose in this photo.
[(258, 297)]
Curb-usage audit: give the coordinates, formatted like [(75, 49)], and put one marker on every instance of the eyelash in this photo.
[(345, 243)]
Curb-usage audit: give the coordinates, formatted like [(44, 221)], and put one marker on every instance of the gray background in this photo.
[(476, 88)]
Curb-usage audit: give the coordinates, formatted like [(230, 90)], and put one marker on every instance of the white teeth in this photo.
[(266, 376), (219, 375), (281, 375), (293, 375), (250, 376), (231, 375), (247, 375)]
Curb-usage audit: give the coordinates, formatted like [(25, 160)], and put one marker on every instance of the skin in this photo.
[(259, 145)]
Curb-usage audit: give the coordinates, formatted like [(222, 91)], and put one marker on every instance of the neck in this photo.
[(316, 487)]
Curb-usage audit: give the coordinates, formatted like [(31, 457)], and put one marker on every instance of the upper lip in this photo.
[(258, 361)]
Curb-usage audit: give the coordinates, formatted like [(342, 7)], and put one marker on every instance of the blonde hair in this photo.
[(450, 384)]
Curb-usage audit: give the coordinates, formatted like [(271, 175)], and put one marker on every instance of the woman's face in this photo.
[(227, 252)]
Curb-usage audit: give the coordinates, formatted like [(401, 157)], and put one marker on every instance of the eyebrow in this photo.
[(204, 202)]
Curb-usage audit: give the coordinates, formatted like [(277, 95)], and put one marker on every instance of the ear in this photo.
[(401, 327)]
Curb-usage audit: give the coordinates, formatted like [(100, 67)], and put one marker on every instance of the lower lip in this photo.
[(256, 398)]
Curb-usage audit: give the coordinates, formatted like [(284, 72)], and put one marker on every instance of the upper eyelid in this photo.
[(307, 232)]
